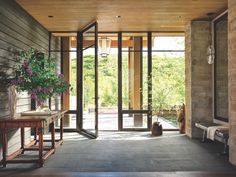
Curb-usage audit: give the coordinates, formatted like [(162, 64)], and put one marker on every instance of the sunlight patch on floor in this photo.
[(118, 135)]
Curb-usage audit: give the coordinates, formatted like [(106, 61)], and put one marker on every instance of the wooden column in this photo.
[(135, 75), (66, 73)]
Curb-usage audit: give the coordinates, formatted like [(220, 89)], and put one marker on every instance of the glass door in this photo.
[(135, 81), (87, 83)]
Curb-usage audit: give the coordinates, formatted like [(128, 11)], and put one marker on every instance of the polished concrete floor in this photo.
[(130, 154)]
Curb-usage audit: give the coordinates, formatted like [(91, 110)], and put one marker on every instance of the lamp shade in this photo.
[(104, 45)]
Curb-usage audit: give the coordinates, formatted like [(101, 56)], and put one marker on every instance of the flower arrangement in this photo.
[(36, 74)]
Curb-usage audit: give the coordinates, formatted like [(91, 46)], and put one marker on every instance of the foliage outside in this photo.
[(167, 81), (168, 87)]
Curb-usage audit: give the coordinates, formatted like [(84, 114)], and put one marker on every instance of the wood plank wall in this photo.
[(19, 31)]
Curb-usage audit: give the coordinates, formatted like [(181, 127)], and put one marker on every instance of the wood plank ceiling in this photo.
[(135, 15)]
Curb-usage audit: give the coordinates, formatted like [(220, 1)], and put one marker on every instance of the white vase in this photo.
[(43, 107), (12, 101)]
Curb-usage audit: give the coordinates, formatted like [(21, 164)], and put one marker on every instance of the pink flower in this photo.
[(13, 82), (39, 89), (19, 80), (33, 96)]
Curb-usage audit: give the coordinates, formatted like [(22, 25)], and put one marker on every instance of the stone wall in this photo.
[(232, 79), (188, 110), (198, 76)]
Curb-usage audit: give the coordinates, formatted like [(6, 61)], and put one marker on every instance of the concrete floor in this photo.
[(130, 152)]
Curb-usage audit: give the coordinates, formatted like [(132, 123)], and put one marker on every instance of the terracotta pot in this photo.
[(156, 129)]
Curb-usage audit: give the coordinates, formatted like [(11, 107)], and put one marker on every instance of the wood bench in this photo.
[(220, 135)]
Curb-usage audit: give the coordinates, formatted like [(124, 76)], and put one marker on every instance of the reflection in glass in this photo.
[(108, 86), (89, 89), (137, 120), (221, 69)]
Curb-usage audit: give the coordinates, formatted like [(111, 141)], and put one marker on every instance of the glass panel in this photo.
[(89, 89), (134, 80), (108, 86), (55, 43), (221, 69), (168, 42), (89, 38), (137, 120), (89, 80), (125, 81), (68, 52), (168, 86), (128, 40), (145, 81), (69, 121), (73, 80), (57, 38)]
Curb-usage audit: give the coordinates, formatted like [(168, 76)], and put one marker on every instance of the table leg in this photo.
[(35, 133), (61, 127), (52, 127), (4, 147), (40, 133), (22, 135), (204, 136)]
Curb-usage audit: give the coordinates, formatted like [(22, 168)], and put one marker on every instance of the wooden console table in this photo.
[(38, 123)]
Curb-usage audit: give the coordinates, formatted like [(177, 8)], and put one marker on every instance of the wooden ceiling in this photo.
[(135, 15)]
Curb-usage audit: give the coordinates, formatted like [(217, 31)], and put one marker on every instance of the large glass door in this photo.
[(135, 81), (87, 81)]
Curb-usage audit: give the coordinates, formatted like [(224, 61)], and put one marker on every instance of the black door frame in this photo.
[(79, 50), (120, 108), (80, 82), (79, 112)]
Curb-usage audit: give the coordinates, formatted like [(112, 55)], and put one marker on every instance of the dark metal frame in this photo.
[(149, 80), (121, 111), (80, 81), (79, 92), (79, 63), (79, 111), (120, 117)]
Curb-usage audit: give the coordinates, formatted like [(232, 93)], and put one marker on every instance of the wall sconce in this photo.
[(210, 54), (104, 45)]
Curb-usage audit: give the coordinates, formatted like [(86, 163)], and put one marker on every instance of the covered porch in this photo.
[(59, 28)]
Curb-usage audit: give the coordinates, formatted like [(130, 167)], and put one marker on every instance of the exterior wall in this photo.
[(232, 79), (18, 31), (198, 76), (188, 88)]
